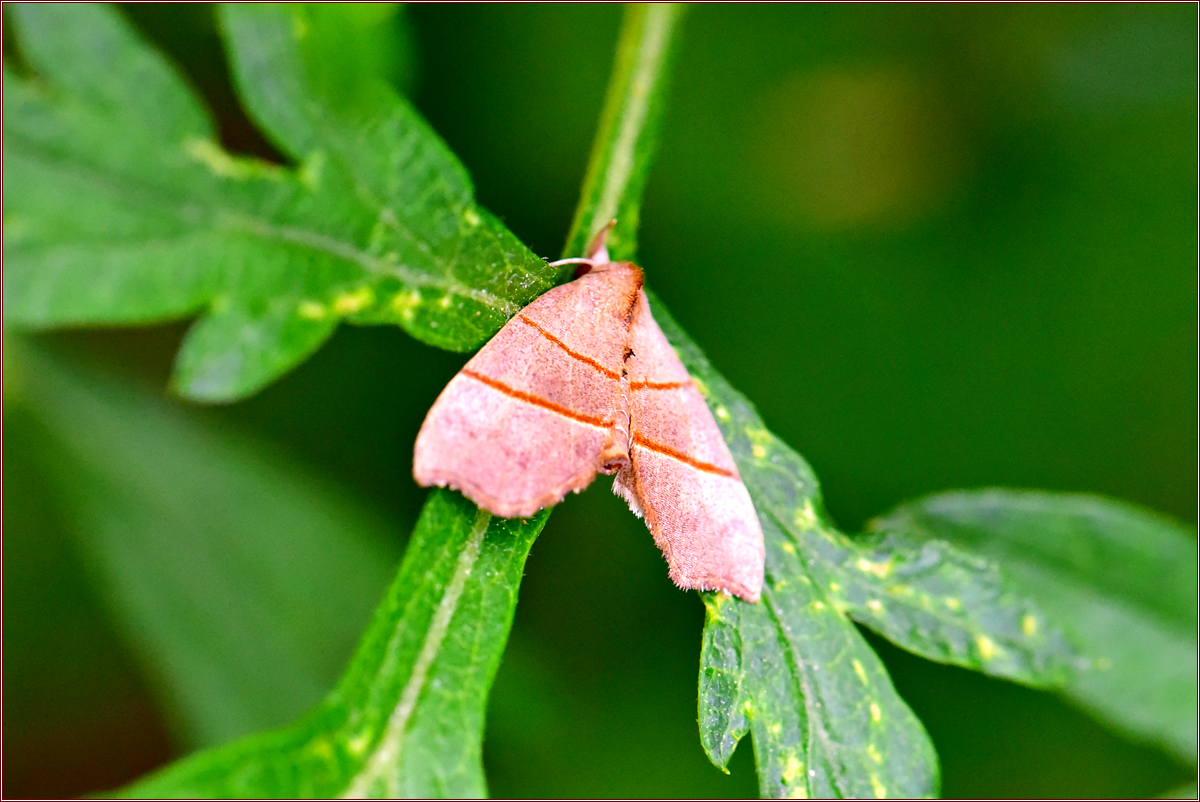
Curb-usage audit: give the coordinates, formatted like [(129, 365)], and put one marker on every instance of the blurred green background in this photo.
[(938, 246)]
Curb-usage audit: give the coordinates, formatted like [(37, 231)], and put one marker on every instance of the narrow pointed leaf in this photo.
[(406, 720), (241, 582), (794, 670), (122, 208), (1121, 579)]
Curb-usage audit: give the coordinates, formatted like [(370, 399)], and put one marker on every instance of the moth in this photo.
[(582, 381)]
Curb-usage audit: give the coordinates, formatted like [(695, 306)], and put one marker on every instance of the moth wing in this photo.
[(527, 418), (681, 477)]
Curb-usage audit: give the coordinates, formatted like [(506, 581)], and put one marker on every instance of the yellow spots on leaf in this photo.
[(445, 302), (775, 728), (714, 604), (701, 386), (760, 439), (357, 746), (818, 606), (860, 671), (471, 217), (405, 304), (224, 164), (875, 606), (312, 310), (321, 748), (805, 517), (880, 570), (987, 648), (873, 753), (353, 301), (834, 587), (876, 713), (788, 547), (1029, 625), (878, 788), (722, 413), (311, 169), (953, 603), (793, 777)]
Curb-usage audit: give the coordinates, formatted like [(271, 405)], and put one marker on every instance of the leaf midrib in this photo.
[(234, 220)]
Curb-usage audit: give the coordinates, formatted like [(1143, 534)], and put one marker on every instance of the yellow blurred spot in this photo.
[(805, 517), (445, 301), (320, 748), (788, 547), (312, 310), (847, 147), (775, 728), (722, 413), (877, 787), (875, 606), (793, 776), (860, 671), (818, 605), (880, 570), (311, 169), (834, 587), (986, 647), (953, 603), (876, 713), (353, 301), (471, 217), (873, 753), (701, 386), (357, 745), (223, 163), (405, 304), (759, 440), (1029, 625)]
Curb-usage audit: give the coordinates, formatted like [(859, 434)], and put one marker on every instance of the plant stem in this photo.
[(627, 134)]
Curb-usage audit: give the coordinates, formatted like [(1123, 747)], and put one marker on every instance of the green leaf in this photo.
[(792, 669), (406, 720), (1181, 792), (122, 207), (795, 671), (242, 582), (1121, 579)]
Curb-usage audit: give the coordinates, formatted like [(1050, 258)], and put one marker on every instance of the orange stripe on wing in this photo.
[(536, 401), (587, 360), (647, 385), (667, 451)]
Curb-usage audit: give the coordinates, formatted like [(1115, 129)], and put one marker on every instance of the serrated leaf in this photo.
[(122, 208), (1121, 579), (795, 671), (242, 582), (406, 720)]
